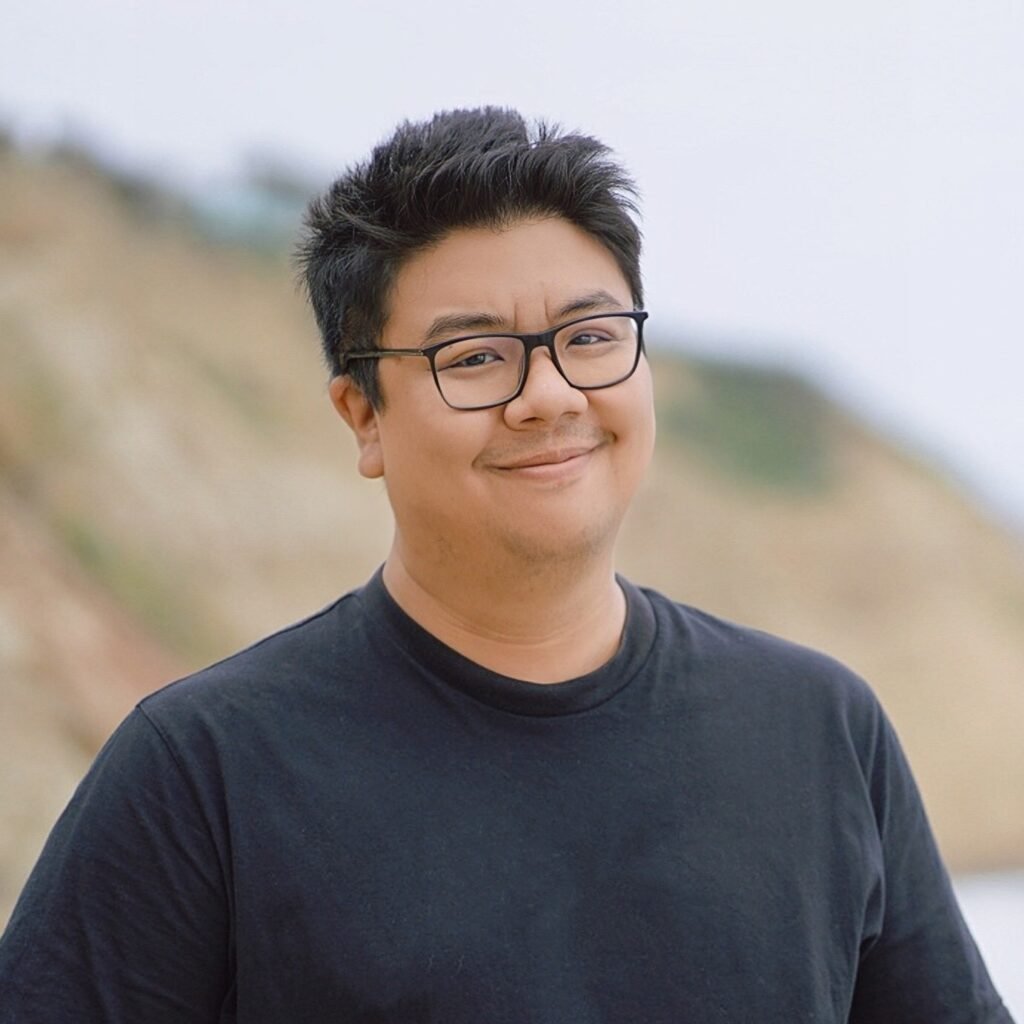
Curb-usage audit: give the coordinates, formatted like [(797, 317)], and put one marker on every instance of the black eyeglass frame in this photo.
[(544, 339)]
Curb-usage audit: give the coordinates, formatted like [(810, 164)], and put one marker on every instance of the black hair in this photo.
[(462, 168)]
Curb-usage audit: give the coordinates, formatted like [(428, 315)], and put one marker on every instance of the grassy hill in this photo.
[(173, 484)]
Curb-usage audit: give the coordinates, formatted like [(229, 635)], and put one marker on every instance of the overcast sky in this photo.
[(839, 184)]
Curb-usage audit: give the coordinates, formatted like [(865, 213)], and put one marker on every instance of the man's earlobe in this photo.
[(355, 409)]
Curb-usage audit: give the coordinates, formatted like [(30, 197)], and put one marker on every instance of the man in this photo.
[(497, 783)]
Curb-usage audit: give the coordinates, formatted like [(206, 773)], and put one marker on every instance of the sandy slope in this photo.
[(173, 484)]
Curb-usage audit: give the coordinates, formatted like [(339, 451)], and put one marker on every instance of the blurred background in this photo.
[(834, 227)]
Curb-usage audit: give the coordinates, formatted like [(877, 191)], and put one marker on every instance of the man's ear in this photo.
[(355, 409)]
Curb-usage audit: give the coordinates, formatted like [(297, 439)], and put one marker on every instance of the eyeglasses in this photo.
[(482, 371)]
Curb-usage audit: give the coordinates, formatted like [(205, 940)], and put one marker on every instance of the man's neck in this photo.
[(538, 626)]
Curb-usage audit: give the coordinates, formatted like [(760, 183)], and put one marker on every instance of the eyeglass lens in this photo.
[(591, 353)]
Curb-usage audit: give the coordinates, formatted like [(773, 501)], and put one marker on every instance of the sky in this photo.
[(835, 186)]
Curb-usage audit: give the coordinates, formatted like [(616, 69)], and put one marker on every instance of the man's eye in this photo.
[(467, 360), (588, 338), (477, 359)]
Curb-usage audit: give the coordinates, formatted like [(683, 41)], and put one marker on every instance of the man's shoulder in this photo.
[(753, 661), (301, 657)]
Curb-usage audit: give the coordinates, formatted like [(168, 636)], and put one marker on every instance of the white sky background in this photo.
[(838, 184)]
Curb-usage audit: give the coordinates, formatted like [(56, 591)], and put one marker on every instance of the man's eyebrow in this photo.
[(469, 323), (591, 302), (462, 323)]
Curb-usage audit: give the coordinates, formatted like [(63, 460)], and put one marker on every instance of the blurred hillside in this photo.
[(174, 483)]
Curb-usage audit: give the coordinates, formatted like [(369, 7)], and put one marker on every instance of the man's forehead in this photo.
[(482, 279), (472, 321)]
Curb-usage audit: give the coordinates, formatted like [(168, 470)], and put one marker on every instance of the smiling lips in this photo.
[(549, 458)]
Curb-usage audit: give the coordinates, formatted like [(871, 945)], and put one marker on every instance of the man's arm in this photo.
[(923, 965), (125, 917)]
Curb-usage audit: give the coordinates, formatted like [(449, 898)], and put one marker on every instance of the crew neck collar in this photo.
[(516, 696)]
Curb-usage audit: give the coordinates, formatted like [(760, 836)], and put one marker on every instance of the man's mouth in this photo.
[(550, 457)]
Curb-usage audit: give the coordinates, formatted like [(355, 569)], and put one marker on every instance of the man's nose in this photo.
[(546, 394)]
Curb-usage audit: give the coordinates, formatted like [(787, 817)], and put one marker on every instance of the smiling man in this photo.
[(508, 483), (498, 783)]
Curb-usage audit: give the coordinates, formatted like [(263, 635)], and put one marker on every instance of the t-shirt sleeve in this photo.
[(125, 917), (921, 964)]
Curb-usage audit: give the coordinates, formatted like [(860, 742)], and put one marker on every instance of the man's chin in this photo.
[(572, 547)]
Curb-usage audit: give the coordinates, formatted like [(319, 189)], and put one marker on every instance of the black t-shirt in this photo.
[(351, 822)]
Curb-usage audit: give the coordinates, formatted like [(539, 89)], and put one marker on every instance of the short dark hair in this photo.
[(462, 168)]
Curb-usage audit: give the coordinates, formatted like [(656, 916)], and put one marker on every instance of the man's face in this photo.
[(548, 475)]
